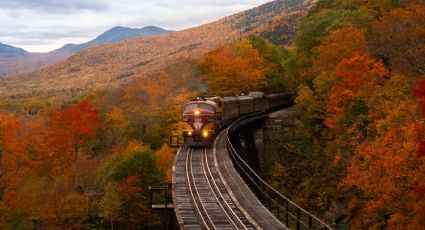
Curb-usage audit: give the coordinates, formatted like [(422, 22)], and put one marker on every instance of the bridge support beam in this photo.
[(245, 144)]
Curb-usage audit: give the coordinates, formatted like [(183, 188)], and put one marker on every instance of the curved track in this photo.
[(206, 192), (209, 194)]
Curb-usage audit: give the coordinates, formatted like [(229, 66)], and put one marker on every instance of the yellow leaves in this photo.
[(323, 84), (134, 146), (115, 116), (279, 176), (110, 202), (398, 104), (305, 98), (164, 160)]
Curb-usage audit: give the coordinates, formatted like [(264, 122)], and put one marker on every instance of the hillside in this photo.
[(15, 60), (114, 64)]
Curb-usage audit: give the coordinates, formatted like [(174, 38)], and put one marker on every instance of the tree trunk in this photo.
[(112, 223)]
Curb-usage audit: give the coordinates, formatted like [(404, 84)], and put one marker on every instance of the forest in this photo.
[(356, 157)]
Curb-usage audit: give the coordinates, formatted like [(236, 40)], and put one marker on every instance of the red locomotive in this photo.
[(199, 118)]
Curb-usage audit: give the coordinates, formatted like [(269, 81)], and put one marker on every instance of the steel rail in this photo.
[(214, 187), (193, 190)]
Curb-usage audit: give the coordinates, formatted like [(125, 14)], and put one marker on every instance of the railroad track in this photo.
[(211, 206)]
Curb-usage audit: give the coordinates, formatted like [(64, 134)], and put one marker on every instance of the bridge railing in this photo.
[(289, 213)]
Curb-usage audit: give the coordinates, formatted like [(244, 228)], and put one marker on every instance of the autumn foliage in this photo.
[(358, 143), (54, 172), (340, 44), (398, 37), (233, 69), (14, 161), (354, 153)]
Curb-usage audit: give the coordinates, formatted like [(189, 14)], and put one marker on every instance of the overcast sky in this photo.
[(45, 25)]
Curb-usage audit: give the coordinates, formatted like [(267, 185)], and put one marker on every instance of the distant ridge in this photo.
[(117, 33), (8, 51), (15, 60)]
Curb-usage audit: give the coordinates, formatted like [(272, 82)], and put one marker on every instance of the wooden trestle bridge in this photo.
[(214, 188)]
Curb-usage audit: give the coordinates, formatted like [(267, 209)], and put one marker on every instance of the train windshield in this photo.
[(199, 105), (191, 106), (206, 106)]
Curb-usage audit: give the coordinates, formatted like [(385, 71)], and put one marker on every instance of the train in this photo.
[(205, 116)]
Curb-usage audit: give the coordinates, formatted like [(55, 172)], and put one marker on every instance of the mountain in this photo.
[(16, 60), (114, 64), (115, 34), (8, 51)]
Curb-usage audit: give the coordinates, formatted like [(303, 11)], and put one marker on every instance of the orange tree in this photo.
[(70, 129), (233, 69)]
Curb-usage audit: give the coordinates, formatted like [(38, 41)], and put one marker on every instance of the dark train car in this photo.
[(199, 122), (261, 102), (276, 100), (230, 109), (283, 100), (245, 105)]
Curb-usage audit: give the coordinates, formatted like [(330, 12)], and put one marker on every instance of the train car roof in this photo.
[(244, 98), (256, 94), (278, 95), (272, 95), (229, 99)]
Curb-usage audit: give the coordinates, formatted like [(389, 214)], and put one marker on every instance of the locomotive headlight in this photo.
[(197, 112), (205, 133), (189, 133)]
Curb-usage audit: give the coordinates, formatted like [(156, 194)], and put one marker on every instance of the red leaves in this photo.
[(419, 190), (337, 102), (361, 73), (71, 125), (419, 92), (129, 188), (80, 120), (421, 150), (360, 76), (69, 131), (12, 155)]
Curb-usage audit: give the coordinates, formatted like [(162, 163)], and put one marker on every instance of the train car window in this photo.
[(206, 106), (190, 106)]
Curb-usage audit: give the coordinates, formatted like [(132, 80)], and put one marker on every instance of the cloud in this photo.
[(43, 25), (57, 6)]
